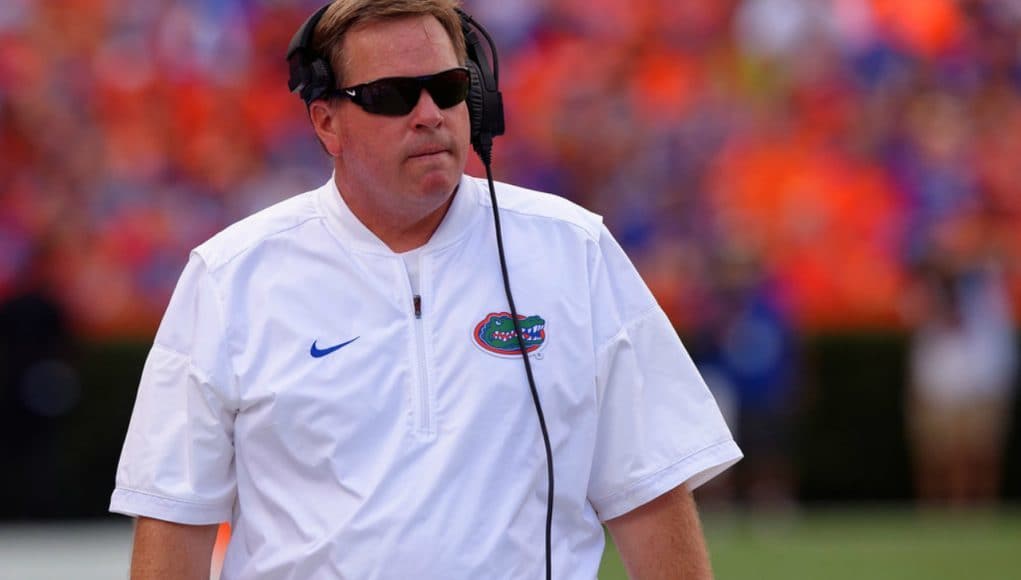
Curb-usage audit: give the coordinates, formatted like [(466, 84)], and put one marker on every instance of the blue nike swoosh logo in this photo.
[(316, 352)]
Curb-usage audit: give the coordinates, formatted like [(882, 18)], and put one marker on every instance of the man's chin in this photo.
[(438, 184)]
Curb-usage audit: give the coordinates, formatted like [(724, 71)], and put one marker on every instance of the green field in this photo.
[(866, 543)]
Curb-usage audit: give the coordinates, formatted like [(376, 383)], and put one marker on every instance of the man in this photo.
[(333, 374)]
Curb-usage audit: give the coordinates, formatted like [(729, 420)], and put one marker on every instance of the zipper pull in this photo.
[(418, 306)]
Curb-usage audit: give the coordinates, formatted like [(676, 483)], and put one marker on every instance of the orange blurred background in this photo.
[(824, 141)]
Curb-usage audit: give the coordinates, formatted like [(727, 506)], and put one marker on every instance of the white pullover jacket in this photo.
[(346, 429)]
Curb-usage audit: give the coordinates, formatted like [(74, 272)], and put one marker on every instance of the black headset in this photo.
[(311, 76)]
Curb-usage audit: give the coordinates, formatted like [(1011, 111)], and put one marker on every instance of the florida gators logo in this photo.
[(495, 334)]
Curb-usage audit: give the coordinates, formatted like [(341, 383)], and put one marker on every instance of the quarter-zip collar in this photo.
[(461, 214)]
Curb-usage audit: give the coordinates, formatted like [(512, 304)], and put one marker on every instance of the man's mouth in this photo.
[(427, 153)]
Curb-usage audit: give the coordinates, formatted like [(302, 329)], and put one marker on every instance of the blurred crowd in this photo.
[(818, 145), (774, 168)]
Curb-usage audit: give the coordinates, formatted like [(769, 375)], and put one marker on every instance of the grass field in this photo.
[(859, 544), (863, 543)]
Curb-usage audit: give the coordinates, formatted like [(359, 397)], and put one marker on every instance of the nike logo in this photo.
[(316, 352)]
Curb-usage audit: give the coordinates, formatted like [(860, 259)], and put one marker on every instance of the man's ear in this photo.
[(323, 115)]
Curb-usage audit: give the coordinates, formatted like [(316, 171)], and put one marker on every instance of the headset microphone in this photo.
[(311, 76)]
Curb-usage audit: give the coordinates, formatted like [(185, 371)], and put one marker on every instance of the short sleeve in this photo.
[(659, 426), (177, 463)]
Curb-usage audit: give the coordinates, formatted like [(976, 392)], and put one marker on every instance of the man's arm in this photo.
[(165, 550), (662, 540)]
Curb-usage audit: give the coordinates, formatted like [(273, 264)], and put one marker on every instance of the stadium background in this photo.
[(816, 147)]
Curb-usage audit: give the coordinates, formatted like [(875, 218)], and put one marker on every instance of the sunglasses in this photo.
[(397, 96)]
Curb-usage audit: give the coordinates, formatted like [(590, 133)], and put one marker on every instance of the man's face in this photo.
[(408, 164)]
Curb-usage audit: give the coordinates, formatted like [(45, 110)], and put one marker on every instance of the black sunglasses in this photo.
[(397, 96)]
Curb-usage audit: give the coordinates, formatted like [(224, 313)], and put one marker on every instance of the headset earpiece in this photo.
[(321, 80), (311, 75), (476, 100)]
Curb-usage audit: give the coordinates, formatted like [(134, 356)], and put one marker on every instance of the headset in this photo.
[(311, 77)]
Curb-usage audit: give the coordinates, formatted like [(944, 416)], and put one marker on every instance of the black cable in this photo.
[(528, 371), (484, 148)]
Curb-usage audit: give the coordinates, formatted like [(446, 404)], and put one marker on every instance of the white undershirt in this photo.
[(411, 261)]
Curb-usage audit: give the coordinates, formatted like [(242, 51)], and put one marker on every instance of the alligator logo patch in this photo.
[(495, 334)]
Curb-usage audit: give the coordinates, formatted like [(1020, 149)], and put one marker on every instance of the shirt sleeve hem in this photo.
[(694, 470), (136, 503)]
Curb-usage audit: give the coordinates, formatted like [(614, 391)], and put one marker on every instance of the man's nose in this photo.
[(426, 112)]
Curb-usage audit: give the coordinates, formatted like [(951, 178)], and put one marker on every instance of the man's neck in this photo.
[(402, 230)]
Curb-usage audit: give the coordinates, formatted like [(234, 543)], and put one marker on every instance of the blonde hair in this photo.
[(342, 15)]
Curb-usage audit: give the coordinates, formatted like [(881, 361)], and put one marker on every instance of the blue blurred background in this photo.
[(822, 194)]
